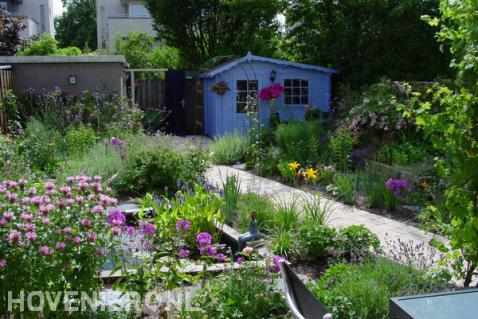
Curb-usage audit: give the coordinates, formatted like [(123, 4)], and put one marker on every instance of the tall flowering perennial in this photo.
[(397, 186), (49, 233)]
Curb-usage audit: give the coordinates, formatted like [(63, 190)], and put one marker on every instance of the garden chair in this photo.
[(299, 299)]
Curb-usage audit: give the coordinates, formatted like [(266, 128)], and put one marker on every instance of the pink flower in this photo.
[(8, 216), (33, 191), (76, 240), (97, 178), (11, 197), (69, 201), (46, 220), (91, 197), (26, 217), (37, 200), (82, 185), (80, 200), (50, 192), (31, 236), (3, 263), (3, 222), (65, 190), (96, 187), (276, 90), (26, 200), (14, 236), (45, 209), (116, 230), (50, 185), (97, 209), (70, 179), (99, 251), (60, 246), (29, 227), (22, 182), (46, 251), (86, 223), (91, 236), (67, 230)]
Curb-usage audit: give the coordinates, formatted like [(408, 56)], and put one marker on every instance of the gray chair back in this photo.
[(300, 300)]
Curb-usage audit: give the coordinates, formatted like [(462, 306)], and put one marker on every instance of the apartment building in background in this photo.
[(36, 15), (115, 18)]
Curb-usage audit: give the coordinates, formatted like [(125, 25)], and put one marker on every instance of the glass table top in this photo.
[(459, 304)]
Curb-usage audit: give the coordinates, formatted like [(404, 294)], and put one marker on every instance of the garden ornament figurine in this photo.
[(252, 234)]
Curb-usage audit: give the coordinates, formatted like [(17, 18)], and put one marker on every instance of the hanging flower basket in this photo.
[(220, 88)]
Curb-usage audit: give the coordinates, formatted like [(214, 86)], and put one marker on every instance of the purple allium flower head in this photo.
[(183, 225), (221, 257), (207, 250), (204, 239), (116, 142), (397, 186)]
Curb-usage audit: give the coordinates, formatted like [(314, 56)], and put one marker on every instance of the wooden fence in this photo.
[(6, 83)]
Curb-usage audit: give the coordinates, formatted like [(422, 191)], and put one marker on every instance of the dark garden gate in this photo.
[(171, 99)]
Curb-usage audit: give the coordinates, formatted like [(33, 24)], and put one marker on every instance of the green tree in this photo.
[(141, 51), (451, 122), (77, 24), (47, 45), (366, 40), (10, 28), (205, 29)]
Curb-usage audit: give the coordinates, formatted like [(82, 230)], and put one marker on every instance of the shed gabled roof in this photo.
[(254, 58)]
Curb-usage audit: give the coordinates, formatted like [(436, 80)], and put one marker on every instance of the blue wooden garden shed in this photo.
[(228, 88)]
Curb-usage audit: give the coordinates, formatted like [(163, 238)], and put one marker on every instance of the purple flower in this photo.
[(397, 186), (204, 239), (99, 251), (31, 236), (86, 223), (3, 263), (116, 218), (60, 246), (183, 225), (183, 253), (91, 236), (116, 142), (130, 230), (221, 257), (147, 228), (46, 251), (8, 216), (207, 250), (240, 261)]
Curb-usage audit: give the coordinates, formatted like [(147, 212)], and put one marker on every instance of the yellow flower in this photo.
[(311, 174), (294, 166)]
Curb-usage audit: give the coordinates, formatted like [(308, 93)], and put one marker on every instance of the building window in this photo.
[(296, 91), (246, 93), (137, 10)]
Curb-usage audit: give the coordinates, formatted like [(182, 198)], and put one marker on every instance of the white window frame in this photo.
[(247, 91)]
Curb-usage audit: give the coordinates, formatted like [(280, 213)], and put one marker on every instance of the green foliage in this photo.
[(151, 165), (232, 27), (341, 147), (288, 175), (364, 290), (229, 149), (47, 45), (10, 29), (313, 114), (316, 211), (286, 215), (317, 240), (13, 165), (357, 243), (79, 139), (244, 293), (401, 154), (300, 141), (232, 192), (365, 42), (42, 146), (282, 242), (450, 121), (347, 186), (140, 51), (76, 26), (98, 160), (263, 207)]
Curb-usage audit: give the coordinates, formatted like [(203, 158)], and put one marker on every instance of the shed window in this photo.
[(246, 93), (296, 91)]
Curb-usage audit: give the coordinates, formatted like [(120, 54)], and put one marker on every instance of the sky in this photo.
[(57, 7)]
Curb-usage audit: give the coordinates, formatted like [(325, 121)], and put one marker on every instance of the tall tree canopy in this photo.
[(10, 28), (366, 39), (204, 29), (77, 25)]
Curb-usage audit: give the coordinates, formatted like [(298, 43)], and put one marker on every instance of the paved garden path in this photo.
[(388, 230)]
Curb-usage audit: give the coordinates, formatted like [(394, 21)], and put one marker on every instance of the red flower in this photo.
[(271, 92)]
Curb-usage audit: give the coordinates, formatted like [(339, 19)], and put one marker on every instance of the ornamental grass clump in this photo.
[(54, 237)]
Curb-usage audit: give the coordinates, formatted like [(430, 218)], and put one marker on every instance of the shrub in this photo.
[(282, 242), (263, 207), (317, 240), (301, 141), (341, 147), (79, 139), (357, 242), (287, 174), (229, 149), (352, 291), (13, 164), (286, 215), (43, 147), (244, 293), (57, 238), (153, 164)]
